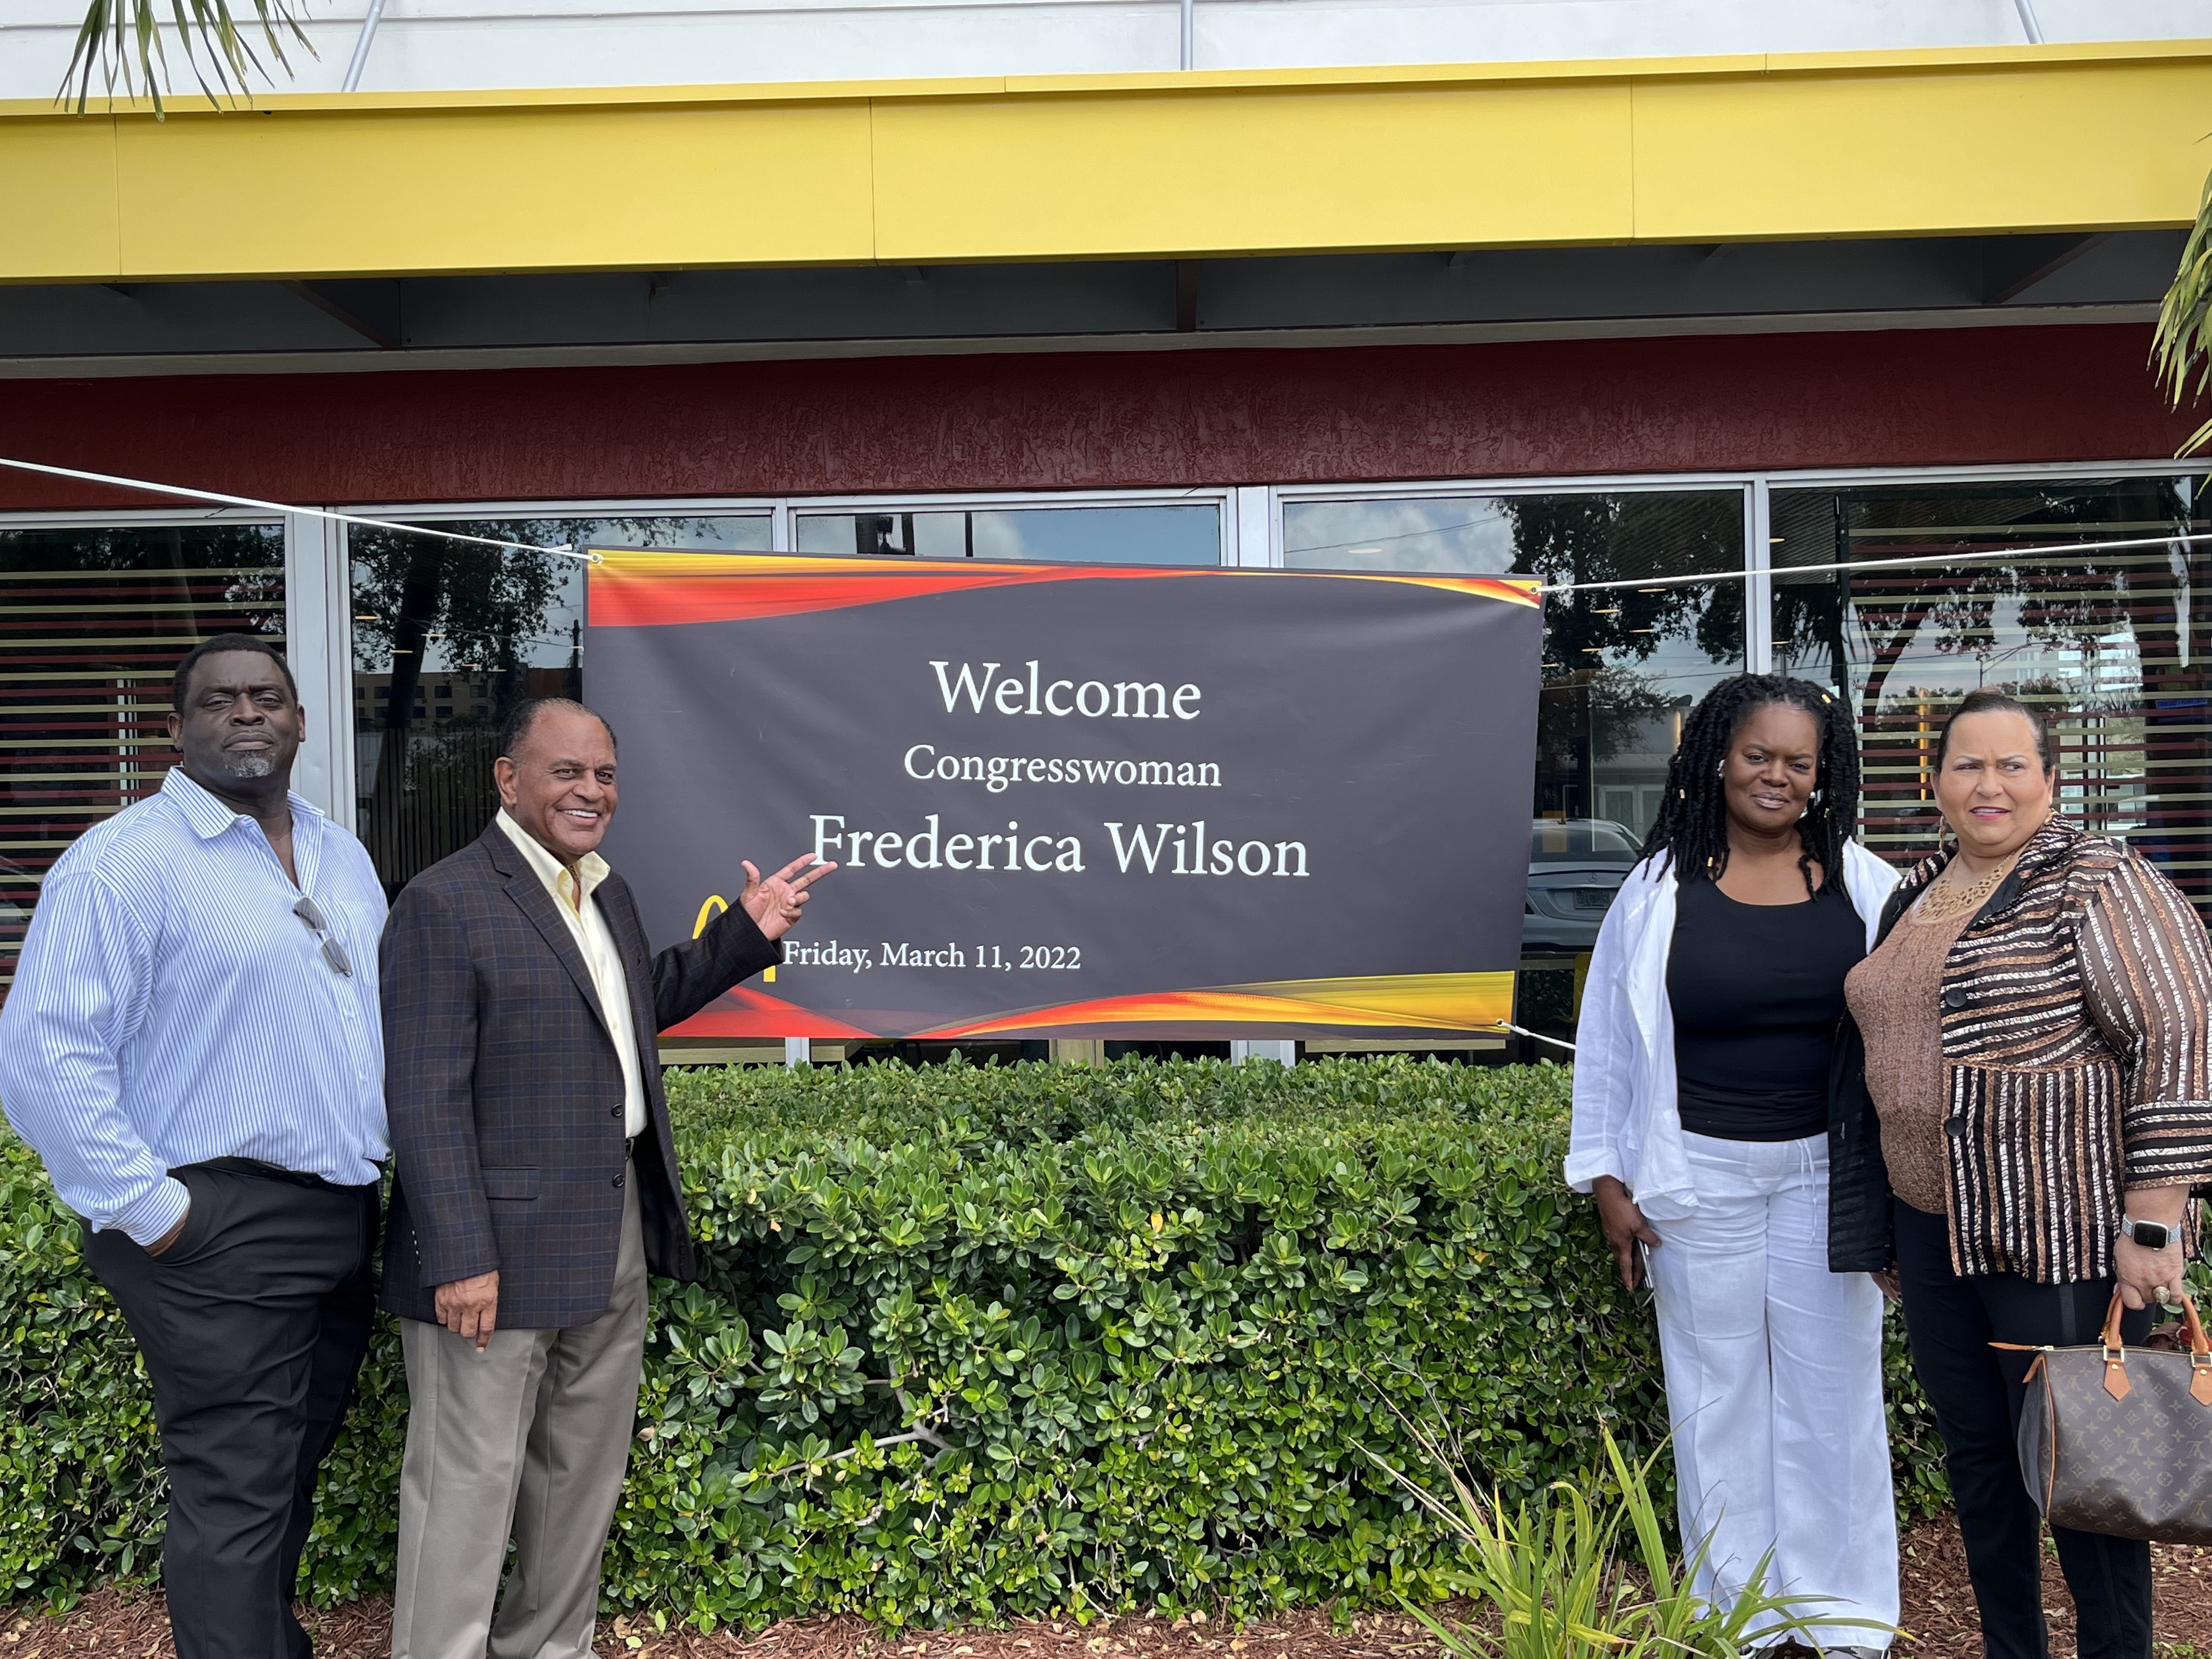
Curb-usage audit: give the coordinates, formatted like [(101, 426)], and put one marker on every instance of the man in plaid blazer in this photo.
[(536, 1187)]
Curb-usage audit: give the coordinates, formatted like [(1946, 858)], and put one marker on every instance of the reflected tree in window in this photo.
[(1620, 664), (483, 610), (449, 637)]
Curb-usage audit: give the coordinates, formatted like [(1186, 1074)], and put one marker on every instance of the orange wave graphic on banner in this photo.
[(739, 1011), (632, 589), (1426, 1002)]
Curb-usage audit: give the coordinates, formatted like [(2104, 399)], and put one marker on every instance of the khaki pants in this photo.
[(530, 1436)]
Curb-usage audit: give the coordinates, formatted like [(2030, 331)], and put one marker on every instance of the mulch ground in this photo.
[(1938, 1617)]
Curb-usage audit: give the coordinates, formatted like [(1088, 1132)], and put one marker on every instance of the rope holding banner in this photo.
[(182, 493), (1954, 557), (1523, 1031), (584, 556)]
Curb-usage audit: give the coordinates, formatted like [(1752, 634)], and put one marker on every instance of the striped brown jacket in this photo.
[(2077, 1054)]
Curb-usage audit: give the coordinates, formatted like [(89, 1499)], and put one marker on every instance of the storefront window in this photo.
[(448, 638), (2111, 645), (1174, 533), (96, 620)]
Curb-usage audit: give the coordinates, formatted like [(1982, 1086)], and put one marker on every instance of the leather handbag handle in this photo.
[(2200, 1351), (2199, 1347)]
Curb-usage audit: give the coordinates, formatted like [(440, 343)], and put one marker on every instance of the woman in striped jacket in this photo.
[(2037, 1029)]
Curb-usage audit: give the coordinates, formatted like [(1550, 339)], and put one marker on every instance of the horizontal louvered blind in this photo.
[(93, 623), (2111, 647), (2128, 709)]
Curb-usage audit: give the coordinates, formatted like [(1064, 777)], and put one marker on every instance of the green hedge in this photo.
[(978, 1343)]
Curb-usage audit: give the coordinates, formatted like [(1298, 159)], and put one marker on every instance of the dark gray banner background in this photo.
[(1389, 726)]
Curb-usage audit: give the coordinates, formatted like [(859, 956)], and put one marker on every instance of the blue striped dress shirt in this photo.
[(169, 1008)]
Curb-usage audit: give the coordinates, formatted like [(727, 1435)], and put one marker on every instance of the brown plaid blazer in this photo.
[(506, 1094)]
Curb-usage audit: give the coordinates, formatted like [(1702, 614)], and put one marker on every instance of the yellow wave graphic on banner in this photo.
[(1396, 1002)]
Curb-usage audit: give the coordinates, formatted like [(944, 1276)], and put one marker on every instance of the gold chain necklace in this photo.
[(1946, 898)]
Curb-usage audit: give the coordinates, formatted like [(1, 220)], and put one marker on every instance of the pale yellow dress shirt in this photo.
[(572, 896)]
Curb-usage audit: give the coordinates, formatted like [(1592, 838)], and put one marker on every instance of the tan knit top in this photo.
[(1896, 996)]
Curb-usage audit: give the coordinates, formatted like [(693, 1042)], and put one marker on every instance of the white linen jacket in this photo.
[(1626, 1123)]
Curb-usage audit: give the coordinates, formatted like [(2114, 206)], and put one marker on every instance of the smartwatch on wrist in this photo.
[(2151, 1235)]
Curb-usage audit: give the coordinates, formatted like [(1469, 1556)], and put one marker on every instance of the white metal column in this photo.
[(796, 1051), (319, 644), (1255, 509), (1252, 528), (1758, 587)]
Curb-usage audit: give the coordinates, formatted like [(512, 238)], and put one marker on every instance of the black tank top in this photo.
[(1757, 991)]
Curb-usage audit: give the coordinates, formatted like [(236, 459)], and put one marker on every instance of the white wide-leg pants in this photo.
[(1773, 1370)]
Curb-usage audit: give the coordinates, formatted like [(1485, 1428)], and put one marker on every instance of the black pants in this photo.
[(253, 1325), (1976, 1390)]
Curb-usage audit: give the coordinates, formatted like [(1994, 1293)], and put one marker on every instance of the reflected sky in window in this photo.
[(1175, 533)]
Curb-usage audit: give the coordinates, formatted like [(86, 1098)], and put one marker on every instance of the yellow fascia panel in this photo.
[(348, 192), (59, 220), (1877, 152), (1232, 169), (1151, 166)]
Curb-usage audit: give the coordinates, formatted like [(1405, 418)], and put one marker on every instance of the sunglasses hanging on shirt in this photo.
[(333, 952)]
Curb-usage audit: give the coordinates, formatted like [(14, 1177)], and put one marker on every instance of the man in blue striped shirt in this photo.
[(193, 1045)]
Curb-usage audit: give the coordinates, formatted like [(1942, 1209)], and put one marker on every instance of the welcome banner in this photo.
[(1079, 800)]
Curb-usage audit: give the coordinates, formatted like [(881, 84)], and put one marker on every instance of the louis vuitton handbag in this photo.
[(2119, 1440)]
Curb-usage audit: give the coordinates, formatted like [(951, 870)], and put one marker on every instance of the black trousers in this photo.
[(252, 1326), (1976, 1390)]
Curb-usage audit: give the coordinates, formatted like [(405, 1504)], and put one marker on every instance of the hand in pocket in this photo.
[(160, 1247)]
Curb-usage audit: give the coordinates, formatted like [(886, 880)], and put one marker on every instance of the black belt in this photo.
[(255, 1167)]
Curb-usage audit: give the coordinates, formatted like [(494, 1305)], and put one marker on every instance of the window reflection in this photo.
[(2110, 645), (1440, 533), (1178, 534), (448, 638)]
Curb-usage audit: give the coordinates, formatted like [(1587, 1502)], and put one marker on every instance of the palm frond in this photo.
[(120, 43), (2182, 353)]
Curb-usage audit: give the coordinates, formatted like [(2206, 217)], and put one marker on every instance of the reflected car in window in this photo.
[(1576, 866)]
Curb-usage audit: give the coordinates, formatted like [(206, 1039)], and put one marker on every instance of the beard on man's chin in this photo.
[(250, 766)]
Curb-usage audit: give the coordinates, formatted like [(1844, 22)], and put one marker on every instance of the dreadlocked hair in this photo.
[(1691, 828)]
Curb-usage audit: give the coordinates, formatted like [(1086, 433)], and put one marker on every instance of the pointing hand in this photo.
[(773, 903)]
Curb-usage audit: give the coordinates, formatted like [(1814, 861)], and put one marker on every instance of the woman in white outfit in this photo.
[(1701, 1126)]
